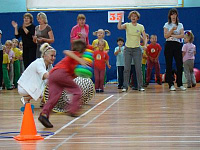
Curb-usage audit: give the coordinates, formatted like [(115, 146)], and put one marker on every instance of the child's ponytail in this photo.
[(95, 33), (108, 33), (45, 48)]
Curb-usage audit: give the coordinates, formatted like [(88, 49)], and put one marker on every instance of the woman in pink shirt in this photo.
[(81, 30)]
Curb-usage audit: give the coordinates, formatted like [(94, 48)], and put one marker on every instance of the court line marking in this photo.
[(71, 136), (128, 137), (117, 142), (121, 137), (101, 113), (10, 110), (66, 125), (66, 139)]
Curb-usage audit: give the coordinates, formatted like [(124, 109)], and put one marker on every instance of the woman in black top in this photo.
[(26, 32)]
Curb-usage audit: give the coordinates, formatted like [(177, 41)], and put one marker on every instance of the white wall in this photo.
[(88, 4), (20, 5)]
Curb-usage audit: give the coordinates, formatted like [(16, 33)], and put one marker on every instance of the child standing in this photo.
[(5, 67), (100, 36), (189, 51), (21, 58), (119, 53), (16, 63), (144, 61), (153, 52), (61, 78), (100, 59), (11, 55)]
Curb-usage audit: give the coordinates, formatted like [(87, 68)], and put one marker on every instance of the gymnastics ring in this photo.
[(88, 60), (85, 67), (87, 53), (82, 72), (88, 50), (87, 56)]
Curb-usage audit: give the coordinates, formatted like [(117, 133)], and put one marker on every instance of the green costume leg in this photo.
[(105, 78), (6, 77), (144, 73), (16, 72)]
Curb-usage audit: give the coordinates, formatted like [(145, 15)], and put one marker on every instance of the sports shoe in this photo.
[(182, 88), (1, 88), (100, 90), (124, 89), (23, 101), (172, 88), (134, 88), (158, 81), (9, 88), (45, 121), (193, 85), (141, 89), (120, 87)]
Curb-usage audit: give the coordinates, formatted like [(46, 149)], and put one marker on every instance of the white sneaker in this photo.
[(141, 89), (23, 101), (182, 88), (1, 88), (172, 88), (124, 90)]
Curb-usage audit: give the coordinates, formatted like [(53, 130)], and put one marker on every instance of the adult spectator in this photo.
[(173, 33), (81, 30), (26, 32), (43, 33)]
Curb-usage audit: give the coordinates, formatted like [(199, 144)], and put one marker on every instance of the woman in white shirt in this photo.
[(173, 33), (32, 82)]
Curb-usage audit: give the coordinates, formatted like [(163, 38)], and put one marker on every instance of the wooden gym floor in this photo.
[(152, 120)]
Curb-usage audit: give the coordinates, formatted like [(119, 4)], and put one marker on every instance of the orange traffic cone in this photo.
[(28, 129)]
